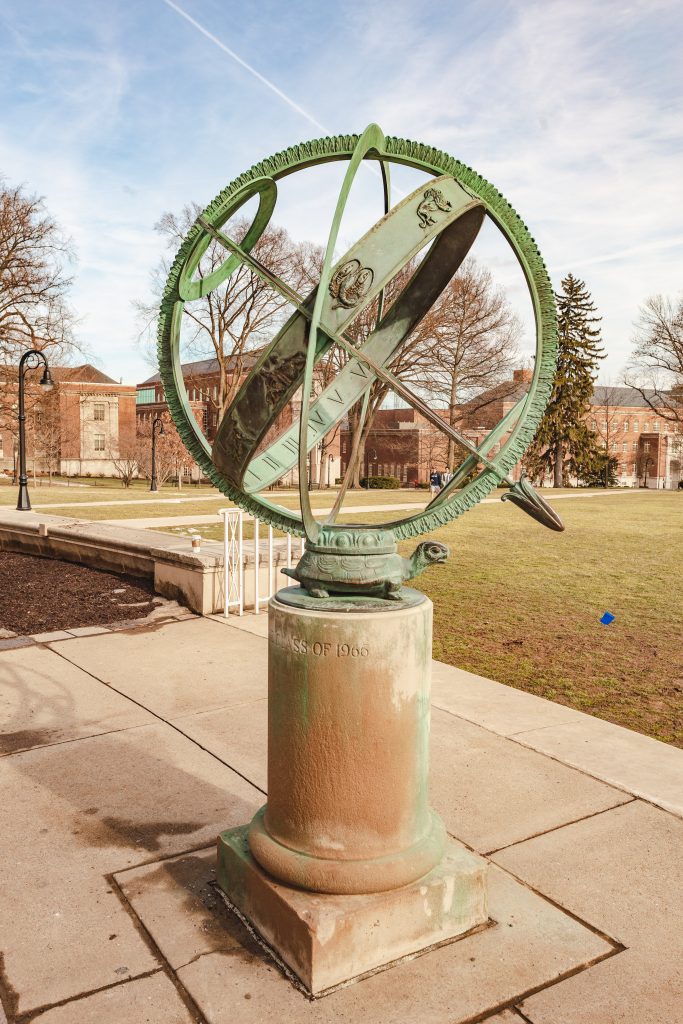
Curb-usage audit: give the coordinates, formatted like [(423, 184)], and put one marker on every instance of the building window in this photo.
[(635, 426), (614, 446), (646, 446), (656, 426), (99, 411), (205, 419), (594, 424), (145, 396), (646, 428), (624, 447), (635, 446), (623, 468), (626, 426), (343, 447), (604, 424), (99, 442)]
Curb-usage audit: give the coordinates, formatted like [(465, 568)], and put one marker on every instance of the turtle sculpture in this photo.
[(373, 575)]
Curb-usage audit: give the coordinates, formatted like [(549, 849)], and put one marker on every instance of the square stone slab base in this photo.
[(326, 940)]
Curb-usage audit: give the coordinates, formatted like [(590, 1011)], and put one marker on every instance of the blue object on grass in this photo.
[(607, 618)]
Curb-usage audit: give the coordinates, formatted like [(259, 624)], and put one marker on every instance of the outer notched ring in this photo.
[(424, 158)]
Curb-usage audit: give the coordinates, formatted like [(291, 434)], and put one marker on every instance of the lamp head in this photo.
[(46, 381)]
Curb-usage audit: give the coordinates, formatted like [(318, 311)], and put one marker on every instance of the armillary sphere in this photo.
[(446, 215)]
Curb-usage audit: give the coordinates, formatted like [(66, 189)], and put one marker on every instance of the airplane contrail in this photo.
[(252, 71), (266, 81)]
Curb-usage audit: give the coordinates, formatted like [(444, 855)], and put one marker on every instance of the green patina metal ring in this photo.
[(261, 179)]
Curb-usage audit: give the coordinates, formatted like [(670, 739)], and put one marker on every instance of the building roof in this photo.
[(206, 367), (623, 396), (85, 374)]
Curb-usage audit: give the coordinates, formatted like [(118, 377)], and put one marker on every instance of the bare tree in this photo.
[(171, 453), (470, 339), (605, 420), (464, 346), (34, 284), (239, 315), (126, 462), (656, 368)]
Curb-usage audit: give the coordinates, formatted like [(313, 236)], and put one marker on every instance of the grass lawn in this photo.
[(522, 605)]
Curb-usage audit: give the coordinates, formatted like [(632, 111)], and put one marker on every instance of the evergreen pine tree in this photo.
[(564, 443)]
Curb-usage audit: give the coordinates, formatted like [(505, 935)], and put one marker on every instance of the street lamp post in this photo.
[(157, 419), (29, 361)]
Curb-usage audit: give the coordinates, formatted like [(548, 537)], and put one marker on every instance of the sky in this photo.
[(119, 110)]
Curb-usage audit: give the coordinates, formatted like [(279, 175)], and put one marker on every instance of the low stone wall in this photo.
[(194, 579)]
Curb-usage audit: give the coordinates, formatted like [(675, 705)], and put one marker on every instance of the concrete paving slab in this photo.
[(88, 630), (178, 667), (55, 634), (64, 932), (631, 988), (72, 812), (152, 1000), (506, 1017), (621, 871), (107, 802), (179, 907), (249, 623), (238, 735), (44, 699), (491, 792), (14, 642), (499, 708), (639, 764), (532, 944)]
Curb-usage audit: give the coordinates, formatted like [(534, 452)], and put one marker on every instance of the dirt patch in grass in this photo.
[(39, 595)]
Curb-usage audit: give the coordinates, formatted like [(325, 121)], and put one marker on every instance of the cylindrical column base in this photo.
[(348, 740)]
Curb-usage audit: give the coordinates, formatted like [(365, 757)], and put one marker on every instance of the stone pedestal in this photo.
[(347, 867)]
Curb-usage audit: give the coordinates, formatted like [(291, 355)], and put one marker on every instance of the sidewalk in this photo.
[(126, 752), (418, 505)]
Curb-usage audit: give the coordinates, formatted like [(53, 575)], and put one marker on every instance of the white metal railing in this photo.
[(234, 562)]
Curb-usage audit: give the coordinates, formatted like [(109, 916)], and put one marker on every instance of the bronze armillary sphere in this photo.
[(446, 214)]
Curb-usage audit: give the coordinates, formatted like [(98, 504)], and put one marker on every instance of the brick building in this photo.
[(76, 429), (202, 383), (648, 448)]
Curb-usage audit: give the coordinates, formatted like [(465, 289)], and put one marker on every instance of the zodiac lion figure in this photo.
[(432, 201)]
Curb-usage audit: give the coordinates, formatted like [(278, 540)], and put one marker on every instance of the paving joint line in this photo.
[(28, 1015), (73, 739), (584, 771), (556, 828), (154, 949), (511, 1004), (167, 722), (552, 757), (618, 946)]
